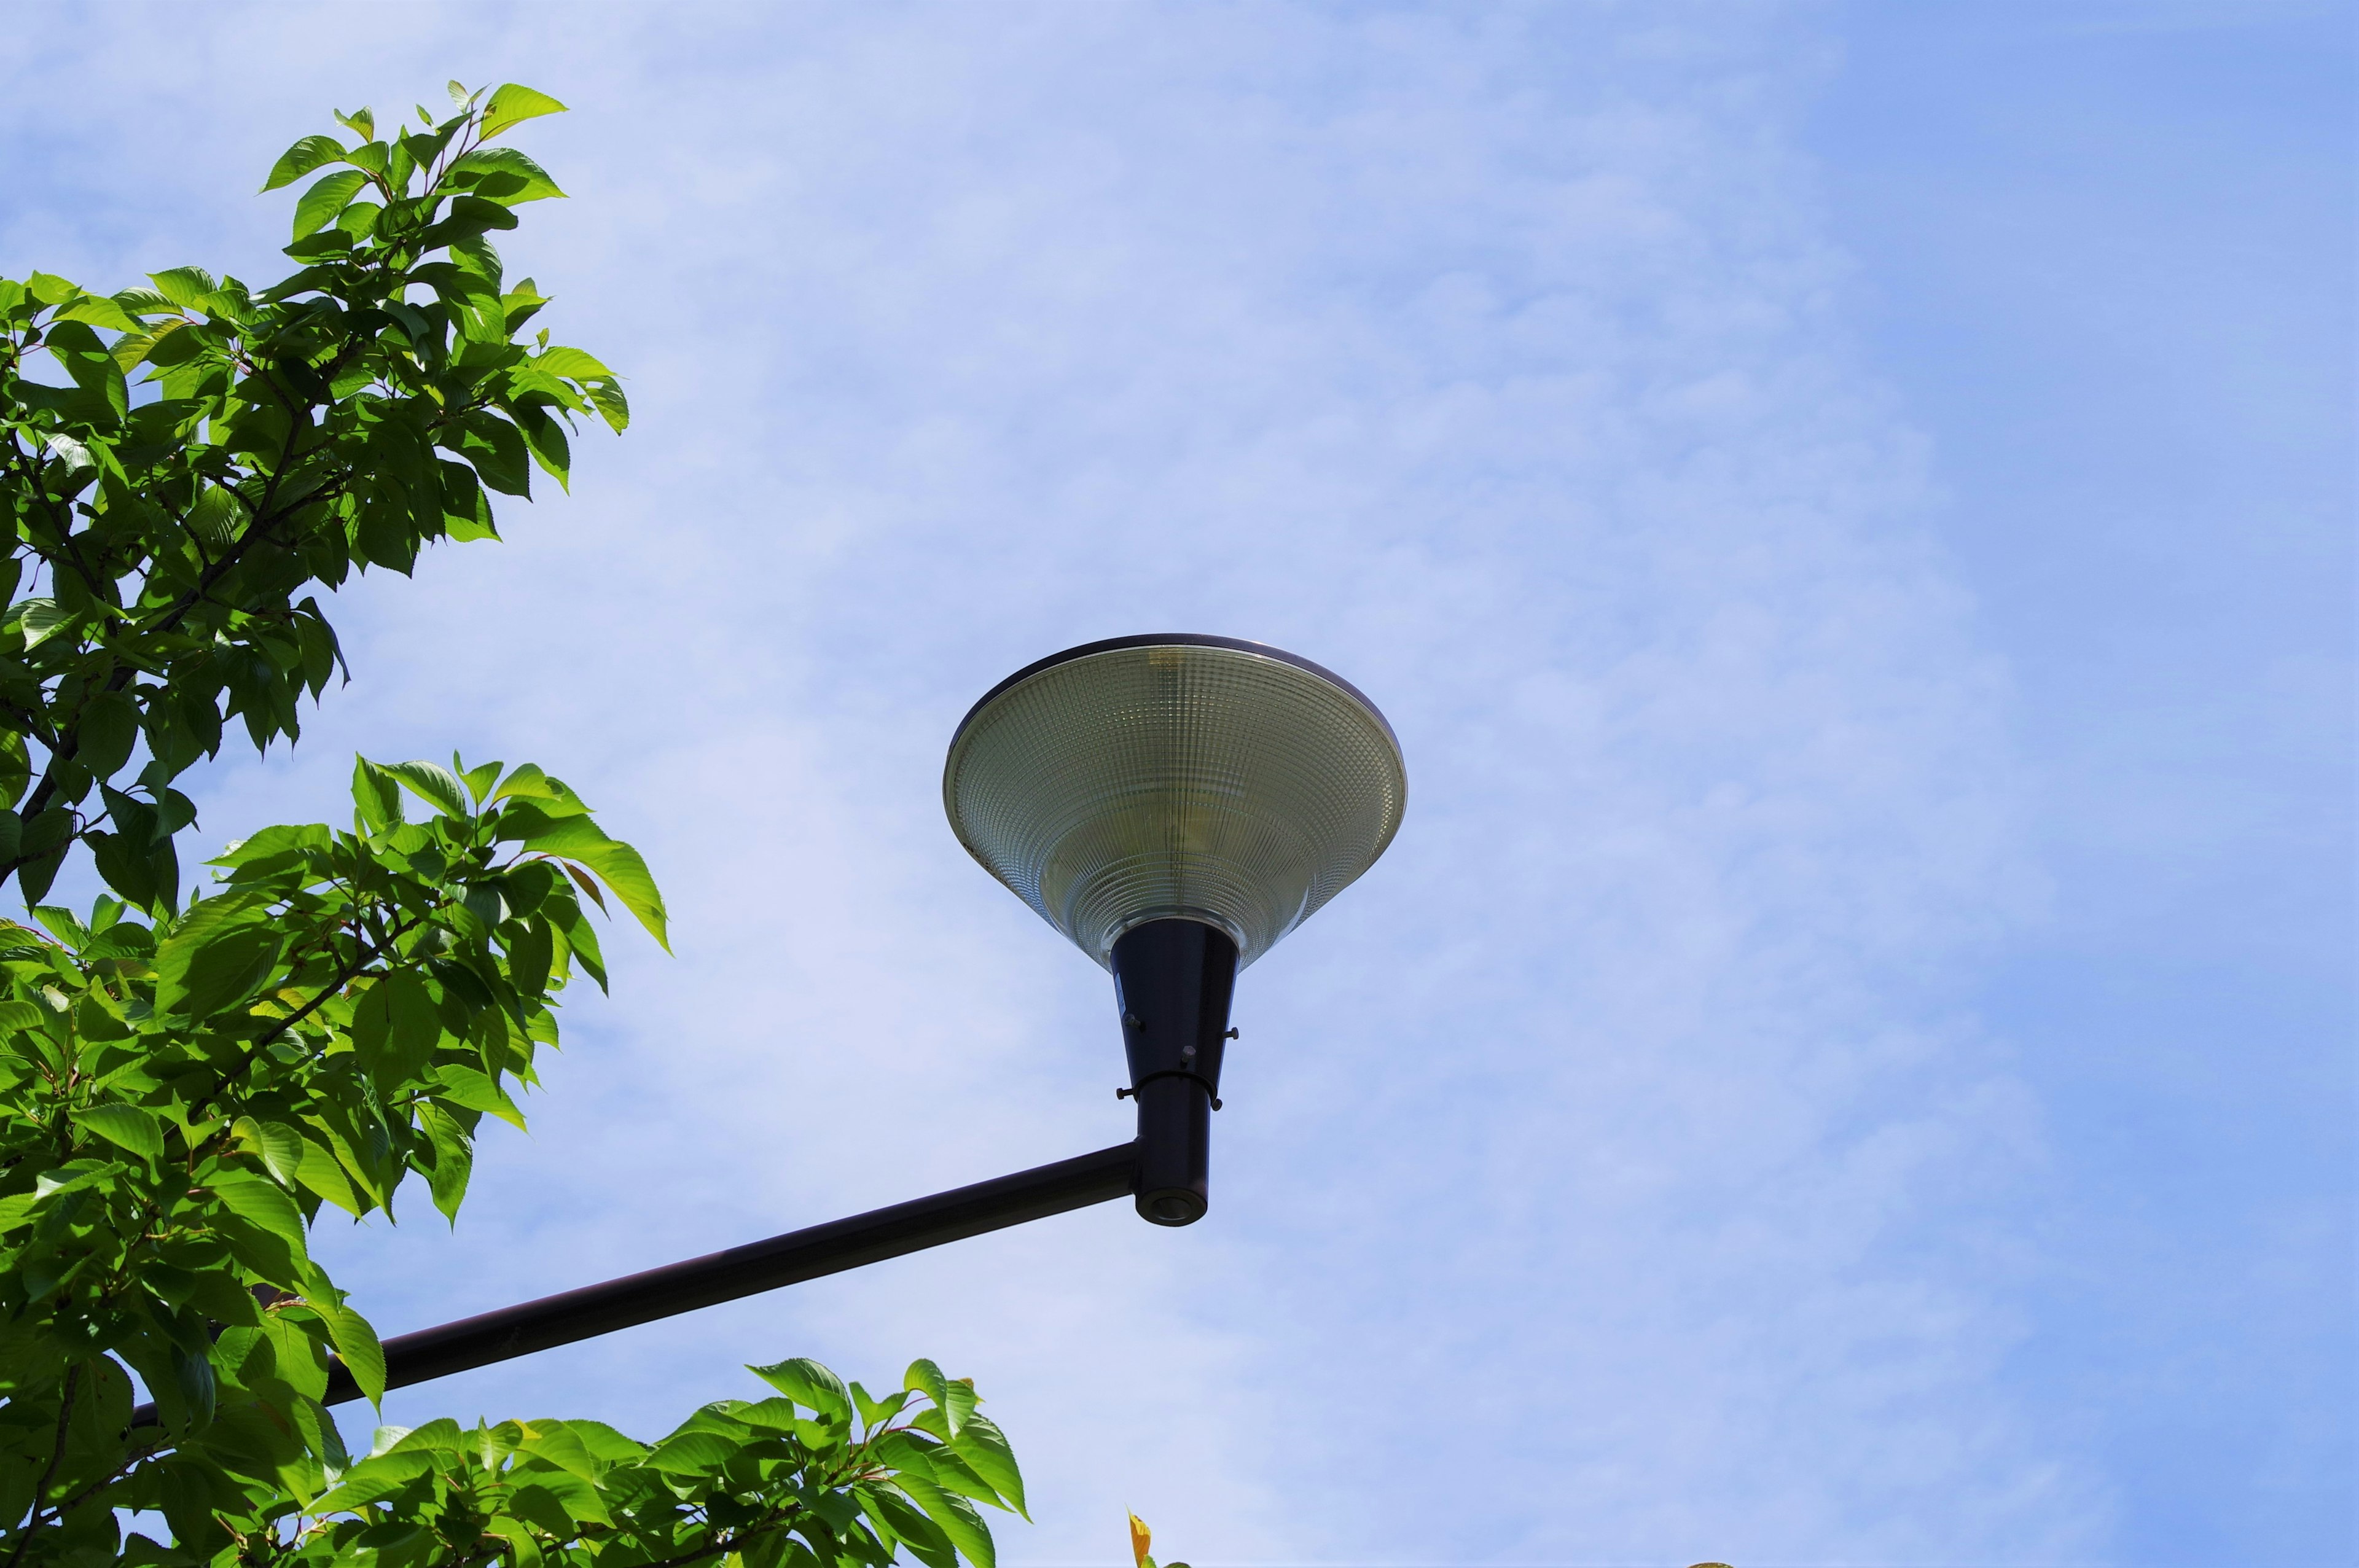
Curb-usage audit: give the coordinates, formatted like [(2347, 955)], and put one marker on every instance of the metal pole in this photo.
[(759, 1266)]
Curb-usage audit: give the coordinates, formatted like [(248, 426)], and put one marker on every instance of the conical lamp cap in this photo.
[(1175, 776)]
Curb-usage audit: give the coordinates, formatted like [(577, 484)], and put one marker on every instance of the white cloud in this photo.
[(1608, 1177)]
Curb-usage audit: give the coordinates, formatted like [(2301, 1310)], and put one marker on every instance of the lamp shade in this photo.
[(1175, 776)]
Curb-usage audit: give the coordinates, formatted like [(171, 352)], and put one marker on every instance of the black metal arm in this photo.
[(1173, 980), (759, 1266)]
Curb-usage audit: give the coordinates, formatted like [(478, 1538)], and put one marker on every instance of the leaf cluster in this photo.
[(180, 1100), (188, 1087), (166, 532), (818, 1474)]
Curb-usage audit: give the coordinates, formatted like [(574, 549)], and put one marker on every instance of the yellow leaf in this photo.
[(1141, 1538)]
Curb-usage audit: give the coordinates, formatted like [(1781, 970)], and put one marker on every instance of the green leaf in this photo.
[(544, 435), (49, 288), (477, 779), (215, 518), (300, 159), (40, 619), (360, 123), (923, 1377), (271, 842), (899, 1518), (70, 452), (143, 302), (692, 1454), (557, 1442), (184, 286), (957, 1519), (473, 1090), (441, 1436), (219, 950), (617, 864), (960, 1407), (326, 198), (62, 924), (258, 1201), (377, 796), (503, 175), (528, 783), (126, 1126), (109, 728), (434, 783), (280, 1146), (496, 449), (573, 364), (299, 1362), (454, 1159), (375, 1478), (357, 1347), (318, 1171), (605, 1444), (510, 105), (809, 1384), (612, 406), (986, 1452), (99, 312)]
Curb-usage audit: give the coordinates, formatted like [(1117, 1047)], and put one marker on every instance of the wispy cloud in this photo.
[(1612, 1174)]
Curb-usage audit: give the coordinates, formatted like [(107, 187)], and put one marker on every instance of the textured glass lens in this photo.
[(1145, 783)]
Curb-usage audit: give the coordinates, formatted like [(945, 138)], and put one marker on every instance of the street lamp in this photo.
[(1174, 805)]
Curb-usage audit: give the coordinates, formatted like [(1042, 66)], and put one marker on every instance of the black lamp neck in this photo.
[(1173, 981)]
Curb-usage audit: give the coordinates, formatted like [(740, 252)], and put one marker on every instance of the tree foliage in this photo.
[(187, 1086)]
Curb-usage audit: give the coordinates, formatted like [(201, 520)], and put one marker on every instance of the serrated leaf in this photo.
[(924, 1377), (570, 363), (319, 205), (986, 1452), (99, 312), (956, 1518), (317, 1169), (477, 779), (454, 1159), (218, 952), (126, 1126), (551, 795), (377, 795), (607, 398), (505, 175), (434, 783), (143, 302), (809, 1384), (255, 1200), (605, 1443), (184, 286), (375, 1478), (70, 452), (579, 839), (300, 159), (511, 104), (473, 1090), (691, 1453), (40, 619), (357, 1348), (280, 1146)]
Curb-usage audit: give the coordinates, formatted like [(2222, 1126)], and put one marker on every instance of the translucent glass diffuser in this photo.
[(1175, 776)]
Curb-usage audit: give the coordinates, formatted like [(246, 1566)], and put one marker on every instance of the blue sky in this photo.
[(1848, 507)]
